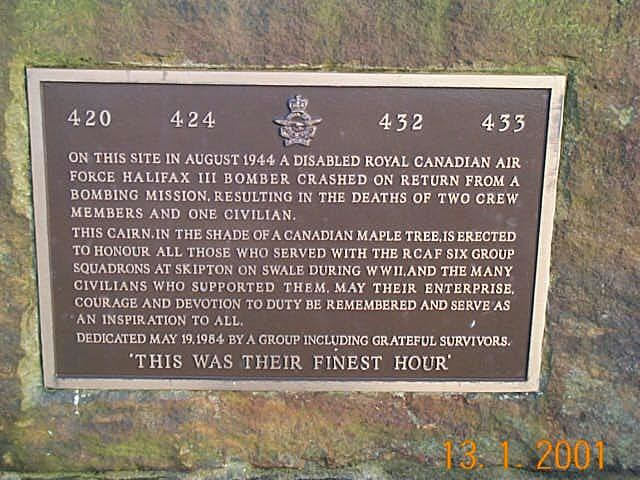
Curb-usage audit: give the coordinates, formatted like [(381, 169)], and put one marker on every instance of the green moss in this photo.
[(59, 32), (16, 141), (536, 28), (138, 450), (64, 440), (419, 27), (623, 117)]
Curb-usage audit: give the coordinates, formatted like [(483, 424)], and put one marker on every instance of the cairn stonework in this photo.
[(587, 397)]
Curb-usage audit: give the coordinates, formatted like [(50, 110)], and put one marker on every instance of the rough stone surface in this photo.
[(591, 386)]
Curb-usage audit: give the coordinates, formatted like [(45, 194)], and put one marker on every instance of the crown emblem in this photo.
[(297, 127), (298, 104)]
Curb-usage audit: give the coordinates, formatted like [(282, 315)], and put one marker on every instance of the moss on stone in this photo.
[(16, 141)]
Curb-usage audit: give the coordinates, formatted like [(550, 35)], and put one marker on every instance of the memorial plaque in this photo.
[(293, 231)]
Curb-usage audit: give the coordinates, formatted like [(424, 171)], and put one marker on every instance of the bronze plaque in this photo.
[(291, 231)]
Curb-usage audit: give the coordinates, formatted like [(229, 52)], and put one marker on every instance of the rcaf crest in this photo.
[(297, 128)]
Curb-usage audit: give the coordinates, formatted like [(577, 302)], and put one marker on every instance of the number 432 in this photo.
[(401, 122)]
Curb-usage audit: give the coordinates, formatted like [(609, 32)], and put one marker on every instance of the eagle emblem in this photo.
[(297, 128)]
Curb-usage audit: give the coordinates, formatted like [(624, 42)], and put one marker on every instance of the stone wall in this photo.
[(591, 386)]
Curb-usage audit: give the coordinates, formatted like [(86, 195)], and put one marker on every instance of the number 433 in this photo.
[(504, 122)]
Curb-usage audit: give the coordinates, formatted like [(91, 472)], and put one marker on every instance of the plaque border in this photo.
[(554, 83)]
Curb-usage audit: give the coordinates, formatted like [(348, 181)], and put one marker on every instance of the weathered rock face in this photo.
[(591, 386)]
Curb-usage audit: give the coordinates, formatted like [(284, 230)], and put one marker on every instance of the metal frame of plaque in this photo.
[(287, 123)]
